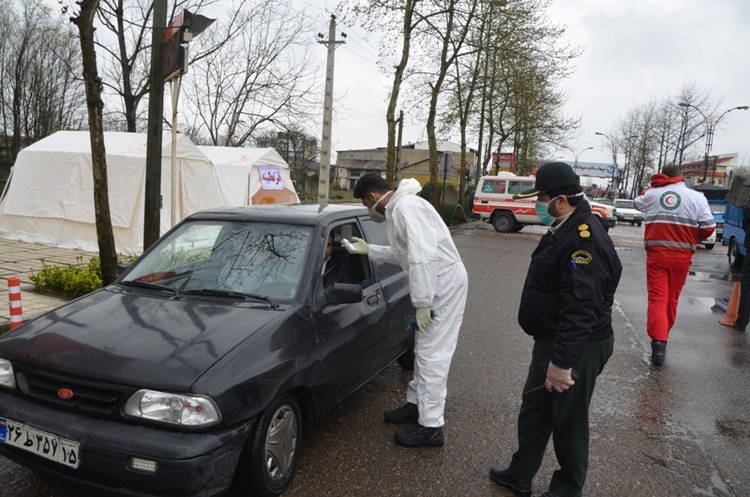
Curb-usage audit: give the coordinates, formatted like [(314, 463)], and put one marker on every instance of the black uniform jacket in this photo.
[(570, 287)]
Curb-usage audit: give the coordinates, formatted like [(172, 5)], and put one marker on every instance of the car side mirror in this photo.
[(343, 293)]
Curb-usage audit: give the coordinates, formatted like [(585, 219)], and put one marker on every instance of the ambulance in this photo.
[(494, 203)]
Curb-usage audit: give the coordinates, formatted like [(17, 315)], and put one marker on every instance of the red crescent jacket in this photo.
[(677, 218)]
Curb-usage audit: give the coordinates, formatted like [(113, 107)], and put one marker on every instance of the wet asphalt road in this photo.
[(682, 430)]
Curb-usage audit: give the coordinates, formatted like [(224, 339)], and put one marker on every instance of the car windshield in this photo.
[(624, 204), (225, 258), (718, 208)]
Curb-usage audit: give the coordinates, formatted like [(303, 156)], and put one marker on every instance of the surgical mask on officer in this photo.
[(374, 214), (542, 210)]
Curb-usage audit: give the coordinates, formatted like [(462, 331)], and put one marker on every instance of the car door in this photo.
[(352, 336), (394, 283)]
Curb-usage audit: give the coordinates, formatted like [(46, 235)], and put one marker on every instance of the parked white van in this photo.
[(494, 203)]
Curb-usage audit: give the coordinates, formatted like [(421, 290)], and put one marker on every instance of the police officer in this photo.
[(566, 307)]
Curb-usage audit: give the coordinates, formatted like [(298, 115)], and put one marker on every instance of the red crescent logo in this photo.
[(65, 393), (669, 200)]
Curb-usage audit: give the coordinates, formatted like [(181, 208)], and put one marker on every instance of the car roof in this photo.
[(304, 213)]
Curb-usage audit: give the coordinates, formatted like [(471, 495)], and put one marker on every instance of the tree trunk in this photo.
[(94, 104), (391, 167)]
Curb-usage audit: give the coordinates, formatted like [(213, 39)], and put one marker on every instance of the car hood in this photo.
[(137, 339)]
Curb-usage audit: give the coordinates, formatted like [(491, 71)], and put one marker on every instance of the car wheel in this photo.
[(733, 256), (503, 222), (639, 223), (271, 453)]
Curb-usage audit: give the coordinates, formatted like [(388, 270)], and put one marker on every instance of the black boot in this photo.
[(658, 352), (407, 413), (503, 478), (421, 436)]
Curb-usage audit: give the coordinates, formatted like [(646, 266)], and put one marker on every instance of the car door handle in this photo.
[(373, 299)]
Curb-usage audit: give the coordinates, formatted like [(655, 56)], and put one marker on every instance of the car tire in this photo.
[(269, 459), (604, 224), (503, 222), (639, 223), (734, 257)]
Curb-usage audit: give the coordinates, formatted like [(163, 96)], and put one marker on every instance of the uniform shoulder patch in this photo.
[(584, 230), (582, 257)]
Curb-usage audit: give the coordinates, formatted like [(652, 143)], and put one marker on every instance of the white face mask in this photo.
[(374, 214)]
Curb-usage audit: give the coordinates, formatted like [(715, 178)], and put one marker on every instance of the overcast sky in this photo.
[(634, 51)]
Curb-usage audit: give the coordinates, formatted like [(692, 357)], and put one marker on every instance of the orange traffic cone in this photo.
[(734, 303)]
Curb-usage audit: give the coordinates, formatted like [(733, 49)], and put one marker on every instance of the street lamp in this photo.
[(579, 153), (615, 170), (710, 127)]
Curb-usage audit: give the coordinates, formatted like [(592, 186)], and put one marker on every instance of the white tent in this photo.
[(251, 175), (50, 198)]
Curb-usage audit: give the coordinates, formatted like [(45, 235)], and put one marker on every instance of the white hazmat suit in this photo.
[(422, 245)]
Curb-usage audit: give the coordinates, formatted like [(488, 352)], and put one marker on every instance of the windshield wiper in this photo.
[(217, 292), (145, 284)]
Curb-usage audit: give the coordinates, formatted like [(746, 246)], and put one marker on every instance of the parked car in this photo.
[(709, 242), (627, 213), (208, 359), (494, 203)]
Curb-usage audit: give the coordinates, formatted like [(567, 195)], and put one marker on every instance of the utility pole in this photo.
[(396, 174), (152, 200), (325, 143)]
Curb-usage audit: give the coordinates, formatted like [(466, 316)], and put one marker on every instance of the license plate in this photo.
[(40, 443)]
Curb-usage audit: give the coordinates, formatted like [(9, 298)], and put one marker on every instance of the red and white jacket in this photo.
[(676, 217)]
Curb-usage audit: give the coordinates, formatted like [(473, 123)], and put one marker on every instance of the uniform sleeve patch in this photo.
[(581, 257), (584, 231)]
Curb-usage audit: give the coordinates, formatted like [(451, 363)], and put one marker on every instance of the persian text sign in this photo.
[(270, 178)]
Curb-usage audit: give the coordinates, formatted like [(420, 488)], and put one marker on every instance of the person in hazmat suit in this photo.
[(422, 245)]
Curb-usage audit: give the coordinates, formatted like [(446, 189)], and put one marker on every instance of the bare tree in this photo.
[(84, 20), (125, 46), (256, 80), (39, 93), (399, 20)]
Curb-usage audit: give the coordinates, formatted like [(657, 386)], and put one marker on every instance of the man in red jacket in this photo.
[(677, 218)]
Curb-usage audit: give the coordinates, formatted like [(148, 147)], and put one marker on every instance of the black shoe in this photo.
[(503, 478), (737, 327), (548, 494), (407, 413), (420, 436), (658, 352)]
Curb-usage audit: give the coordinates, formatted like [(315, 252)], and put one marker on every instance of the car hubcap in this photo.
[(281, 443)]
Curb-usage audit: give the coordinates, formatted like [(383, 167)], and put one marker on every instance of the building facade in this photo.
[(718, 170), (414, 162)]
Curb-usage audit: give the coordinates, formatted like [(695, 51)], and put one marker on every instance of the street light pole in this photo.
[(615, 171), (710, 127), (579, 153)]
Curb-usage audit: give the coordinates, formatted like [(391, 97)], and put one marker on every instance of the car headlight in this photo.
[(7, 378), (183, 410)]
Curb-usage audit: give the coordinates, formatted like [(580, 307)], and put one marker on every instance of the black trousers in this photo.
[(565, 416)]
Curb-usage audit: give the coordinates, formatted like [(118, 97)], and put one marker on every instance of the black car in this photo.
[(208, 359)]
